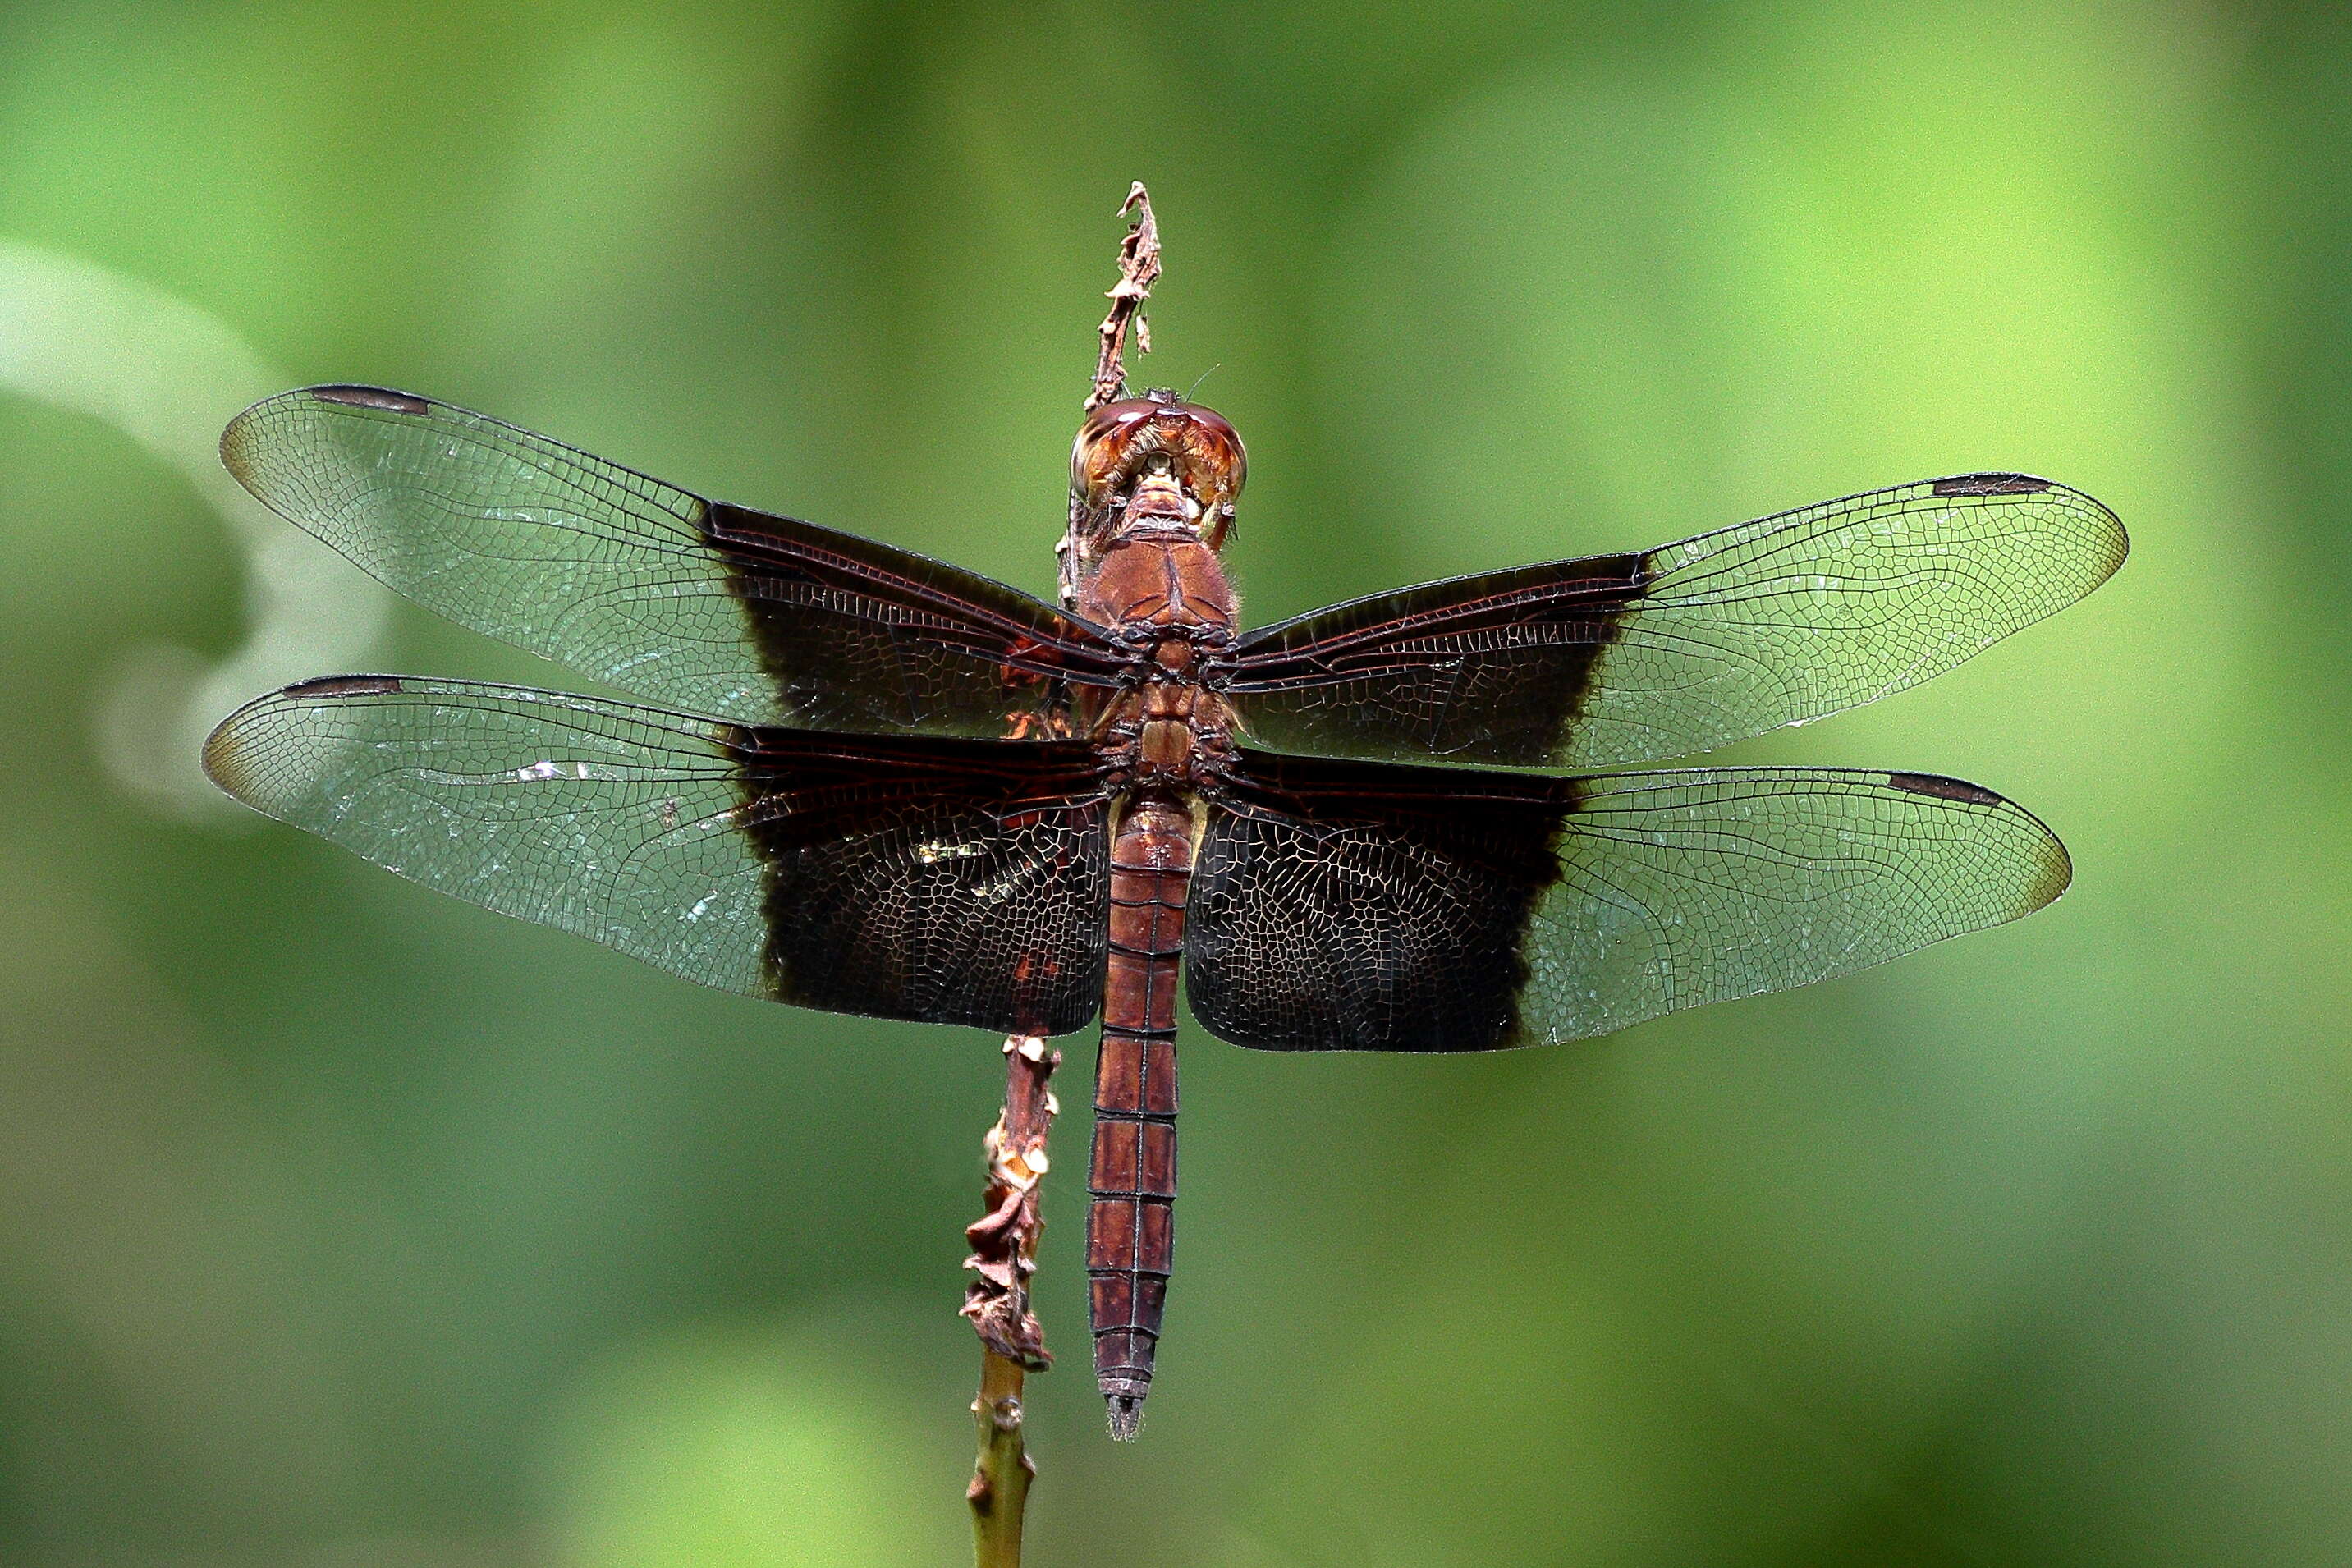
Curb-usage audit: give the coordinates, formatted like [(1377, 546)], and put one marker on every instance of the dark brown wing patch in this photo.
[(1478, 669), (939, 880), (859, 635), (1349, 906)]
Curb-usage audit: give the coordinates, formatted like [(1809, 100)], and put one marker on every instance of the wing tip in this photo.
[(222, 760), (347, 394), (227, 757), (2057, 876), (2117, 539), (2050, 874)]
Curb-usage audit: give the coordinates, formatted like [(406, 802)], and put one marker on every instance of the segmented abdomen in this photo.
[(1131, 1230)]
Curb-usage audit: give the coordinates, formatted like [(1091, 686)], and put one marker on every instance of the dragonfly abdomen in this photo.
[(1130, 1226)]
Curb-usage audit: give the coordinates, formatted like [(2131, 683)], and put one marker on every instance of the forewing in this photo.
[(713, 607), (1681, 649), (939, 880), (1340, 906)]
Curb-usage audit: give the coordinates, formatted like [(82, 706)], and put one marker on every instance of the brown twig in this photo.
[(1004, 1241), (1004, 1257), (1139, 268)]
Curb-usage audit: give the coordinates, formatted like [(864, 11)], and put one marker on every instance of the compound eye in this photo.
[(1197, 444), (1212, 451), (1104, 450)]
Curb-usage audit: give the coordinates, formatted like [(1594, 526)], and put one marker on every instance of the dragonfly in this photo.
[(864, 781)]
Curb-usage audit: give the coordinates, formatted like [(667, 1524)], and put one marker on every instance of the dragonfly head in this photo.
[(1159, 457)]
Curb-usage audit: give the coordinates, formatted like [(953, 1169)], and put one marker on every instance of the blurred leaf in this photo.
[(745, 1448)]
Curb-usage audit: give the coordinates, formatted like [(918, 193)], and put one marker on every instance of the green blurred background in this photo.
[(345, 1226)]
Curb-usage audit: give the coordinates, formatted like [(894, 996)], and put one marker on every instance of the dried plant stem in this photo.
[(1139, 268), (999, 1493), (1004, 1257)]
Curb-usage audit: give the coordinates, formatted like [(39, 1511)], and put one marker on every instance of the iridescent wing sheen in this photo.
[(940, 881), (1355, 906), (682, 600), (1624, 659)]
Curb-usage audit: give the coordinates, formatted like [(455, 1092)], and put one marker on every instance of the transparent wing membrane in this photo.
[(945, 882), (1356, 906), (1684, 647), (711, 607)]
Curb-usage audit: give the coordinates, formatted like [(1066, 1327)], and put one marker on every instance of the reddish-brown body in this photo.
[(1131, 1230), (822, 791), (1158, 477)]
